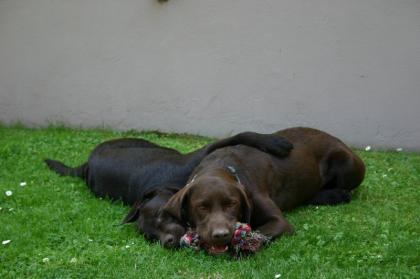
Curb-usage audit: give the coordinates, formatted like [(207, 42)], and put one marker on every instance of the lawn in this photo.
[(58, 229)]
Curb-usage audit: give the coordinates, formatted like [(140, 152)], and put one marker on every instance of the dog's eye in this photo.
[(202, 207), (229, 204)]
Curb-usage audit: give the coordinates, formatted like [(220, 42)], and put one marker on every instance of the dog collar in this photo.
[(192, 180), (230, 168), (233, 171)]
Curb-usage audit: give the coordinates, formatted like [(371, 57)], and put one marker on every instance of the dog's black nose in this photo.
[(169, 241), (220, 233)]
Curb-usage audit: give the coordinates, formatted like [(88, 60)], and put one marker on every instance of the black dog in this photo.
[(145, 175)]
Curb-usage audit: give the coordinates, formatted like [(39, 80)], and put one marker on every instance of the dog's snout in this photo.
[(220, 233), (169, 241)]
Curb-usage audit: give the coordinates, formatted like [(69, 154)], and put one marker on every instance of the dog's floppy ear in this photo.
[(246, 205), (176, 204), (133, 214)]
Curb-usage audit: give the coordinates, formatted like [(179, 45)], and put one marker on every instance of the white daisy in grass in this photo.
[(23, 184), (367, 148), (5, 242), (8, 193)]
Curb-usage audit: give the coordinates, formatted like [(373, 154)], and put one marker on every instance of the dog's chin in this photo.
[(217, 249)]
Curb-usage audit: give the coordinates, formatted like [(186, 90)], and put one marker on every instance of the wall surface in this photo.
[(216, 67)]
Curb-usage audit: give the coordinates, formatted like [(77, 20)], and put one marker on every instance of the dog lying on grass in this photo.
[(145, 175), (242, 184)]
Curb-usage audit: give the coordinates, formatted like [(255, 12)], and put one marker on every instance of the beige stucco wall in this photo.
[(215, 67)]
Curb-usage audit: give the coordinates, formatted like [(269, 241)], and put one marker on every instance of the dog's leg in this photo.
[(269, 143), (342, 169), (331, 197), (274, 223)]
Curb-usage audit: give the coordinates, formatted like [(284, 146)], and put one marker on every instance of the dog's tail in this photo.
[(62, 169)]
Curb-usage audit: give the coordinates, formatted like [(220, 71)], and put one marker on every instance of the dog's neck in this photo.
[(230, 169)]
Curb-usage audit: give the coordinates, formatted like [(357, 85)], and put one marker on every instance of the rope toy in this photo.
[(244, 241)]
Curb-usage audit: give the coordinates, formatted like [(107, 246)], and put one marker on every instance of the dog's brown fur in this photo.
[(244, 184)]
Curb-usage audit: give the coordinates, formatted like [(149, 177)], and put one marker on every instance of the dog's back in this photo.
[(339, 166), (317, 162)]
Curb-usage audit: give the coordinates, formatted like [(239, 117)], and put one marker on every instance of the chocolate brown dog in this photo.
[(145, 175), (241, 183)]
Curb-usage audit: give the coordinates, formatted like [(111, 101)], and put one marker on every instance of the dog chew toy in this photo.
[(244, 242)]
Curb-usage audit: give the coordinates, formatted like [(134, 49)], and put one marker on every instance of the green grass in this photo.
[(375, 236)]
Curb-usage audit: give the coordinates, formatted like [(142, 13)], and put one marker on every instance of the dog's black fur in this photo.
[(145, 175)]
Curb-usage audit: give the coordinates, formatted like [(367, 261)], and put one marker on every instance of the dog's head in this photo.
[(152, 222), (212, 204)]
